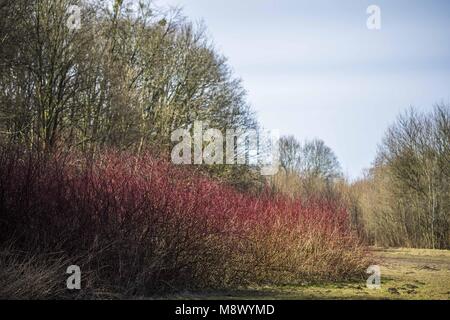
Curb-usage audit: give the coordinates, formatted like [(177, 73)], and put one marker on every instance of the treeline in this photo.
[(127, 78), (405, 198), (308, 169)]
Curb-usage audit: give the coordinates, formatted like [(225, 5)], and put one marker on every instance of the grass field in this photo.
[(405, 274)]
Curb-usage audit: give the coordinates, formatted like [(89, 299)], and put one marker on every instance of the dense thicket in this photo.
[(128, 78), (307, 170), (405, 200), (137, 225)]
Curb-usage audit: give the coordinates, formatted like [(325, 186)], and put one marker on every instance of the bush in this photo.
[(138, 226)]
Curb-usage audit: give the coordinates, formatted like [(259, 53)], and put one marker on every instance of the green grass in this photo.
[(405, 274)]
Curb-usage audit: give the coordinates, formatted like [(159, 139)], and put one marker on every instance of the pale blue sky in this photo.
[(313, 69)]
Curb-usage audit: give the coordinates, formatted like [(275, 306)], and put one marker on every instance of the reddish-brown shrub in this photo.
[(139, 225)]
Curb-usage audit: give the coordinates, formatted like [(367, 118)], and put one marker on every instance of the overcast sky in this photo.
[(313, 69)]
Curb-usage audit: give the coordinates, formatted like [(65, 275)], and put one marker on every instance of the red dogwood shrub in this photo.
[(139, 225)]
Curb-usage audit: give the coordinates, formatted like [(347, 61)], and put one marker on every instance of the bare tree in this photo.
[(410, 202), (319, 161), (290, 154)]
